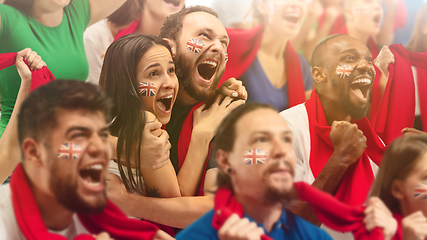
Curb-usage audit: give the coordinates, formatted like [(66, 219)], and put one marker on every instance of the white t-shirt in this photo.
[(114, 168), (9, 228), (297, 120), (97, 38)]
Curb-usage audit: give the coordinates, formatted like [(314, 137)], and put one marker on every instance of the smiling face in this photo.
[(272, 180), (412, 194), (156, 69), (199, 71), (78, 184), (350, 94), (162, 8), (365, 16), (284, 17)]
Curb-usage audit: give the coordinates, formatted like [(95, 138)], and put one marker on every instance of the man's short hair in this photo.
[(318, 59), (226, 134), (38, 112), (173, 25)]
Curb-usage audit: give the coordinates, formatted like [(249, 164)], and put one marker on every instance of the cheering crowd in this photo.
[(261, 119)]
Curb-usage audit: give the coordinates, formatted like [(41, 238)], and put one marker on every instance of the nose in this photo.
[(217, 47), (364, 65), (169, 82), (97, 146), (278, 149)]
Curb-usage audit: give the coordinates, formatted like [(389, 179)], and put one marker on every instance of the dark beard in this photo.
[(66, 194), (274, 195), (184, 73)]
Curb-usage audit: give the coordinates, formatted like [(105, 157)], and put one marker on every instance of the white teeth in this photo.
[(214, 64), (95, 184), (168, 97), (362, 80), (95, 167)]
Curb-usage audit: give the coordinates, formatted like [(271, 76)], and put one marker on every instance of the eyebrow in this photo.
[(152, 65), (287, 132), (78, 128)]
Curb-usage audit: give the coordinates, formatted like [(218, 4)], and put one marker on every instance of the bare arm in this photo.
[(100, 9), (176, 212), (349, 144), (386, 35), (10, 154)]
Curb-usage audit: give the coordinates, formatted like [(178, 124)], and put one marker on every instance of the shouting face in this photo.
[(201, 55)]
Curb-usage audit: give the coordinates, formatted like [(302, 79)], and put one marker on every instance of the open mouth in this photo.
[(91, 175), (292, 18), (207, 69), (175, 3), (165, 103), (360, 87), (377, 19)]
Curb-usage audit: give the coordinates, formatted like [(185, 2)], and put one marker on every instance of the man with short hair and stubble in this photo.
[(59, 187), (253, 148), (199, 44)]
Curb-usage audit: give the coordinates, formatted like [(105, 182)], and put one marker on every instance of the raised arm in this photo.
[(10, 154), (349, 144), (100, 9)]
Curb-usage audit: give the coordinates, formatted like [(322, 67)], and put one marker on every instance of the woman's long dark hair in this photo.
[(118, 81)]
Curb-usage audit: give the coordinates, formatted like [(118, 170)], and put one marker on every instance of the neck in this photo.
[(184, 99), (47, 18), (361, 36), (260, 210), (273, 45), (149, 24), (332, 113), (55, 216)]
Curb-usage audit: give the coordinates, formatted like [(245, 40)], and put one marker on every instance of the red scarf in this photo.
[(184, 142), (397, 109), (244, 45), (128, 30), (331, 212), (422, 88), (38, 78), (358, 178), (111, 220)]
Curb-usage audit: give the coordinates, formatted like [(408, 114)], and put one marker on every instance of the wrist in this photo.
[(202, 135)]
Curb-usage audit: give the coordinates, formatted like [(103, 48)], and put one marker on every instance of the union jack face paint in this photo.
[(344, 71), (69, 150), (195, 45), (255, 156), (420, 191), (361, 9), (226, 56), (147, 89)]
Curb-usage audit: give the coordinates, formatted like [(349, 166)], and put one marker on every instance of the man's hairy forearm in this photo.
[(175, 212)]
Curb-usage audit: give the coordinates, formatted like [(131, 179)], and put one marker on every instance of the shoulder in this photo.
[(78, 11), (295, 116), (8, 226), (309, 230), (200, 229)]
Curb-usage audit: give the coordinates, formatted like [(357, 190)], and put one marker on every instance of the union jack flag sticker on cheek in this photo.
[(147, 89), (195, 45), (344, 71), (226, 56), (420, 191), (255, 156), (69, 150)]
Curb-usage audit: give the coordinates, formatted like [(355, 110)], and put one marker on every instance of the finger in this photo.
[(103, 236), (231, 221), (235, 104), (35, 62), (151, 126), (40, 65), (31, 58)]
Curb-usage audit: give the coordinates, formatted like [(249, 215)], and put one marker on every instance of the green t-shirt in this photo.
[(61, 47)]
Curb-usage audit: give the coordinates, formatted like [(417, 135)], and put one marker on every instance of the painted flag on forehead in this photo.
[(344, 71), (195, 45), (255, 156), (420, 191), (69, 151), (147, 89)]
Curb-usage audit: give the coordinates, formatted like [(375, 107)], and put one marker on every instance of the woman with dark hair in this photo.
[(401, 184), (54, 29)]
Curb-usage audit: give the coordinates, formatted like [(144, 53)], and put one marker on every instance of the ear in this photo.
[(397, 189), (319, 75), (222, 159), (172, 44), (32, 152), (349, 14)]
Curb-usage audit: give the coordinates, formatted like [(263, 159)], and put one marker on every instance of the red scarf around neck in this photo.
[(357, 180), (331, 212), (111, 220), (38, 78), (244, 45), (397, 109)]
